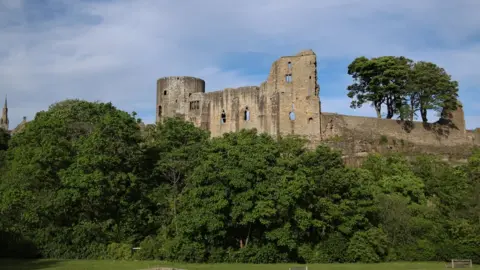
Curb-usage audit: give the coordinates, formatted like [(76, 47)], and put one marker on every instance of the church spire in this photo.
[(4, 120)]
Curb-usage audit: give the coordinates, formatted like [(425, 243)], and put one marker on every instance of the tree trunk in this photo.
[(390, 113), (412, 109), (389, 108), (175, 210), (424, 115), (378, 109), (248, 235)]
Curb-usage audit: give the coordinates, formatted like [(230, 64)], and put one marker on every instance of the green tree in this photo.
[(430, 87), (224, 193), (4, 139), (379, 81), (72, 180), (176, 147)]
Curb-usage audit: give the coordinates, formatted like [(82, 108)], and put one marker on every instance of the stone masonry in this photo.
[(289, 103)]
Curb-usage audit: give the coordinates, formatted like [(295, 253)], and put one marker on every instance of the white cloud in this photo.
[(115, 50)]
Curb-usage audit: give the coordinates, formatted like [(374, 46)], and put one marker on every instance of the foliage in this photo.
[(402, 86), (430, 88), (379, 81), (82, 182)]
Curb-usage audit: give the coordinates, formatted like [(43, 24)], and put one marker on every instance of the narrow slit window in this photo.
[(292, 115), (223, 118), (159, 111), (246, 114)]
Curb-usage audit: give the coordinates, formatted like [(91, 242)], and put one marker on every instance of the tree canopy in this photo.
[(402, 86)]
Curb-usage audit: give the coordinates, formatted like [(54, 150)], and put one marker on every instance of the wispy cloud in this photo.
[(115, 50)]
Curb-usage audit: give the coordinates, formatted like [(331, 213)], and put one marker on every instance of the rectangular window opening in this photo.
[(288, 78), (194, 105)]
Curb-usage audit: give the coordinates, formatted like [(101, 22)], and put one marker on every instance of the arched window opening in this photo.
[(165, 92), (246, 116), (291, 115), (289, 65), (159, 111), (223, 119)]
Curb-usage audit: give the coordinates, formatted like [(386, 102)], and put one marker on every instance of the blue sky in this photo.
[(114, 51)]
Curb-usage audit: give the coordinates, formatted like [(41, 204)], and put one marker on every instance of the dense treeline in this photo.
[(82, 181)]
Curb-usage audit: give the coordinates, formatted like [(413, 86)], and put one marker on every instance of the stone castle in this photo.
[(288, 102)]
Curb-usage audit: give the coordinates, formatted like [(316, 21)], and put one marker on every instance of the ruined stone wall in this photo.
[(294, 78), (477, 136), (418, 133), (244, 108), (474, 136)]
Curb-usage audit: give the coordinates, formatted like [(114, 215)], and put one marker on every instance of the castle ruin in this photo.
[(288, 102)]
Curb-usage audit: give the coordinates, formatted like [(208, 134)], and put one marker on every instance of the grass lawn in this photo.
[(134, 265)]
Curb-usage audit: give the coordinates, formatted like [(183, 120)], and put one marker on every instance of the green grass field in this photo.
[(134, 265)]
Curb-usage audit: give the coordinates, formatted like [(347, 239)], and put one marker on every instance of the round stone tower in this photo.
[(173, 93)]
